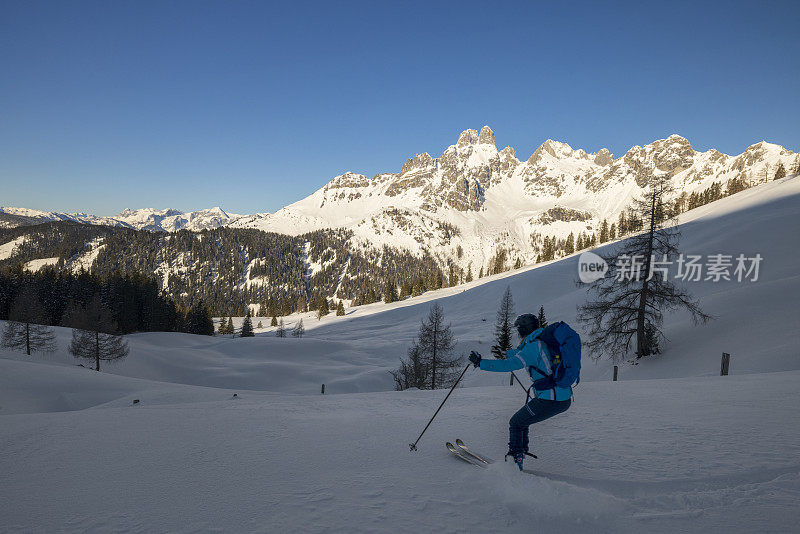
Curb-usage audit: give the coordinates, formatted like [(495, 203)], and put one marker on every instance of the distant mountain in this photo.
[(473, 199), (168, 220)]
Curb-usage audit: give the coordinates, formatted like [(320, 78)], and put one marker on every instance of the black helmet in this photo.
[(525, 324)]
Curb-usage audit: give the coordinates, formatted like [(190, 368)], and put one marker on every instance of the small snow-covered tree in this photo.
[(247, 326), (260, 325), (340, 309), (93, 334), (502, 328), (23, 330), (274, 321), (281, 331), (298, 329)]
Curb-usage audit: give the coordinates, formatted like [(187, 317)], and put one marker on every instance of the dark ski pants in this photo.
[(536, 410)]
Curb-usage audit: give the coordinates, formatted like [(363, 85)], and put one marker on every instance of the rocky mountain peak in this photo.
[(603, 157), (486, 136), (468, 137)]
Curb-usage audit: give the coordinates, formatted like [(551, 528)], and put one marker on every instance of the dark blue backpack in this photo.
[(564, 344)]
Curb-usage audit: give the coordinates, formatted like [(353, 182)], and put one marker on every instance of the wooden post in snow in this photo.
[(511, 381), (726, 362), (323, 390), (616, 372)]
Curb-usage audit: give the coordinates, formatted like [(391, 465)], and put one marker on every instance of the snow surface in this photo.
[(35, 265), (643, 456), (7, 249), (670, 448)]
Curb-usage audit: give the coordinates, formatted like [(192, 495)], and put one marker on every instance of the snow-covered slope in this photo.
[(680, 455), (672, 447)]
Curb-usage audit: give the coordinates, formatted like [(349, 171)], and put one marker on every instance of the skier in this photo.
[(549, 398)]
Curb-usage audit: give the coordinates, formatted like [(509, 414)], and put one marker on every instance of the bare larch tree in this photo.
[(24, 330), (631, 299), (413, 371), (436, 344), (94, 333)]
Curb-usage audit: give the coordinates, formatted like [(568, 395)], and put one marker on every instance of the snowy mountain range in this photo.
[(474, 198), (168, 220)]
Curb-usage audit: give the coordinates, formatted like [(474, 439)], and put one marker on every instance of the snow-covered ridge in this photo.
[(493, 199), (168, 220)]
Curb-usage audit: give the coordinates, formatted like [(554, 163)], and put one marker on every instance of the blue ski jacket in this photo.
[(532, 355)]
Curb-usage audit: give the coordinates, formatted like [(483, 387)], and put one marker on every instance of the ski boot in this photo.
[(518, 457)]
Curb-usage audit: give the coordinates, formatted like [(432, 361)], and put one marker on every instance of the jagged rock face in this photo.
[(603, 157), (486, 136), (559, 213)]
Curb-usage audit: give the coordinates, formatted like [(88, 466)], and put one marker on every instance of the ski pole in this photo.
[(519, 382), (413, 446)]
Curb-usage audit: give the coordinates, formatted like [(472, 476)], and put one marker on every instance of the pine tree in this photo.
[(94, 333), (298, 329), (612, 233), (390, 293), (281, 331), (569, 247), (518, 263), (322, 309), (247, 326), (604, 231), (25, 329), (260, 325), (198, 320), (468, 279), (274, 321), (541, 317), (222, 329), (780, 172), (340, 309), (230, 329), (502, 328), (436, 344)]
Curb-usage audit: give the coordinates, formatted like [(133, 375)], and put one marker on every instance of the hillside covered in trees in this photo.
[(225, 268)]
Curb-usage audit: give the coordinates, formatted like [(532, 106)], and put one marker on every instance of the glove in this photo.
[(475, 358), (544, 383)]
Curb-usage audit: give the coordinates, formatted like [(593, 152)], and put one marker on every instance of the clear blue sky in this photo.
[(251, 106)]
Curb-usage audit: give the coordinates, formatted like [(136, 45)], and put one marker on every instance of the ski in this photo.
[(479, 457), (458, 453)]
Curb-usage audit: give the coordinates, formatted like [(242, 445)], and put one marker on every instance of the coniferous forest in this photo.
[(223, 270)]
